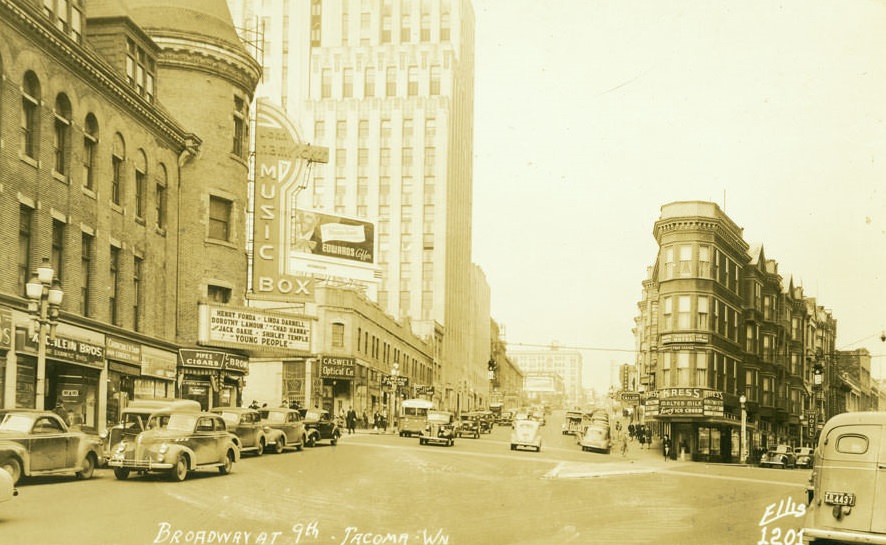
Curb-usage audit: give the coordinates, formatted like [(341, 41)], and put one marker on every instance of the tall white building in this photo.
[(388, 87), (564, 362)]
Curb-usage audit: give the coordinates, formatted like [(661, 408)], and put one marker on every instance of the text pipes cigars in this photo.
[(299, 533), (776, 534)]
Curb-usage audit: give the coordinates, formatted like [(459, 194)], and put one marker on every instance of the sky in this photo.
[(592, 114)]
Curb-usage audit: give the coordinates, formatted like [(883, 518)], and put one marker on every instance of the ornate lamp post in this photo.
[(45, 295), (395, 386), (744, 428)]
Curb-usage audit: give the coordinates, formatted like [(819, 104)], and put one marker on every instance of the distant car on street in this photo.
[(290, 424), (440, 428), (469, 426), (596, 437), (246, 424), (781, 456), (319, 425), (805, 456), (190, 441), (34, 442), (526, 434)]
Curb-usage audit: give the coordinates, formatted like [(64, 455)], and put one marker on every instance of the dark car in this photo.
[(319, 425), (247, 425), (289, 423), (805, 456), (781, 456), (34, 442), (134, 418), (469, 426), (190, 441), (440, 428)]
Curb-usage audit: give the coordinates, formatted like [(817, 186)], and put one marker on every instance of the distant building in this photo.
[(566, 363)]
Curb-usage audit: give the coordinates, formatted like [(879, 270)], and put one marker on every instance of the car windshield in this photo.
[(313, 415), (230, 418), (525, 425), (438, 417), (182, 422), (274, 418), (17, 422), (133, 421), (804, 451), (782, 449)]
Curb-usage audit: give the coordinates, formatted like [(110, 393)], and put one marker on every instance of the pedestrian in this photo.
[(384, 421), (641, 436), (351, 420), (623, 444), (365, 420), (648, 433), (376, 421), (666, 446)]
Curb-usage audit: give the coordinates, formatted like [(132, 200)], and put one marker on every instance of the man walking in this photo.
[(352, 421)]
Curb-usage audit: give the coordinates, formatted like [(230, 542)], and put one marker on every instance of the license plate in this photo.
[(839, 498)]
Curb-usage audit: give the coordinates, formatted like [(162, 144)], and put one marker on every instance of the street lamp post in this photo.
[(395, 383), (744, 428), (45, 295)]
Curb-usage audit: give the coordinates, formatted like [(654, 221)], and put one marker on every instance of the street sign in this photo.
[(392, 381), (630, 397)]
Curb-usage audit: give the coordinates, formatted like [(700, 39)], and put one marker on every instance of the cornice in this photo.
[(209, 56), (68, 53), (700, 225)]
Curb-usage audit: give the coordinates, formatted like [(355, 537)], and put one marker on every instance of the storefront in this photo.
[(124, 367), (5, 348), (73, 372), (211, 377), (338, 374)]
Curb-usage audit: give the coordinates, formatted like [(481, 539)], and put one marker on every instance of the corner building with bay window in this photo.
[(716, 323)]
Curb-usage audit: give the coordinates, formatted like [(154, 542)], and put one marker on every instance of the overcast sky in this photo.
[(592, 114)]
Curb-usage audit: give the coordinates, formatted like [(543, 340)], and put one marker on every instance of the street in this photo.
[(373, 489)]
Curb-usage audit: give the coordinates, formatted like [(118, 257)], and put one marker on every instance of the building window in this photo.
[(444, 27), (90, 145), (685, 261), (326, 83), (58, 248), (30, 119), (391, 81), (669, 262), (347, 83), (118, 156), (385, 133), (137, 264), (704, 261), (25, 219), (218, 294), (160, 196), (67, 15), (666, 369), (750, 339), (386, 24), (434, 89), (768, 392), (667, 314), (338, 335), (141, 183), (426, 27), (682, 369), (703, 314), (412, 80), (684, 303), (61, 142), (369, 82), (113, 285), (320, 130), (344, 25), (405, 29), (86, 245), (241, 128), (140, 70), (219, 218), (701, 369)]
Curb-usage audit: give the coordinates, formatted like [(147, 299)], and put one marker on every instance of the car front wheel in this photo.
[(311, 440), (87, 468), (180, 471), (279, 446)]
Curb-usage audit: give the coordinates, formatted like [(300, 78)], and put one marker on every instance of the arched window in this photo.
[(30, 122), (90, 147), (118, 156), (62, 136), (141, 183)]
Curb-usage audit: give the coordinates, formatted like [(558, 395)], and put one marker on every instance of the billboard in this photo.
[(538, 383), (320, 234)]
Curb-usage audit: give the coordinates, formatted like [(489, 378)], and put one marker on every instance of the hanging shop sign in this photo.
[(398, 381), (118, 349), (5, 329), (212, 359), (66, 349), (337, 367), (253, 330), (684, 402)]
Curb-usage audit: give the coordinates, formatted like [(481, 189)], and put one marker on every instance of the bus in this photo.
[(414, 416)]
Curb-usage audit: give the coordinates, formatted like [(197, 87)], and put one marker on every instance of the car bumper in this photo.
[(435, 439), (810, 535), (140, 464)]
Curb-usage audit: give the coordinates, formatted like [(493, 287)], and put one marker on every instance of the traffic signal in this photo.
[(492, 365)]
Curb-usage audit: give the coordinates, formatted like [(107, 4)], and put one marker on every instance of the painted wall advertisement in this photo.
[(684, 402), (253, 330)]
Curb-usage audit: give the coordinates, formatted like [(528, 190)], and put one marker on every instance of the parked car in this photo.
[(596, 437), (134, 419), (487, 421), (319, 425), (441, 428), (469, 426), (290, 424), (34, 442), (804, 456), (506, 418), (246, 424), (526, 433), (781, 456), (7, 487), (846, 498), (190, 441)]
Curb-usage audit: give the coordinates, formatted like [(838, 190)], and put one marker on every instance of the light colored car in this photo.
[(847, 493), (526, 434), (290, 425), (190, 441), (134, 418), (440, 428), (34, 442), (596, 437), (804, 456), (7, 487), (247, 425), (781, 456)]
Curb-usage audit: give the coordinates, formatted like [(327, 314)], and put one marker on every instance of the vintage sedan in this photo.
[(290, 425), (134, 418), (526, 433), (781, 456), (319, 425), (190, 441), (596, 438), (440, 428), (805, 456), (469, 425), (246, 424), (34, 442), (7, 487)]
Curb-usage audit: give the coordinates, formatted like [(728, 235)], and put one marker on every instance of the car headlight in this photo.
[(163, 448), (121, 447)]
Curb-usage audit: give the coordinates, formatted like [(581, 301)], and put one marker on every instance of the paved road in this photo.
[(373, 489)]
